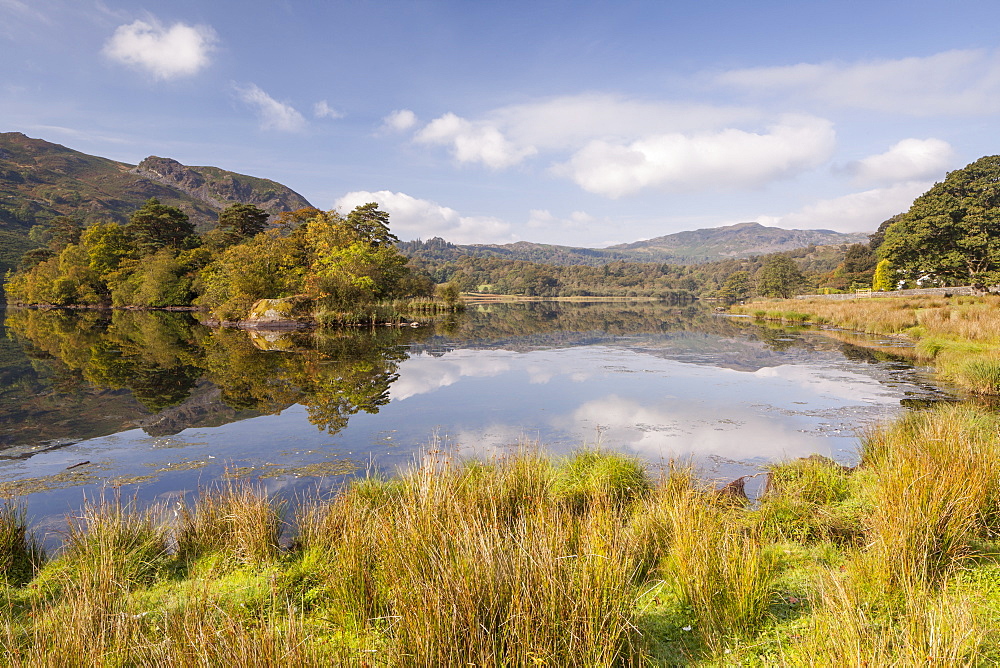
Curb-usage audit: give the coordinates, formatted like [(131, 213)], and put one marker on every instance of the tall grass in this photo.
[(20, 552), (482, 564), (934, 491), (236, 520), (528, 560), (960, 335), (722, 570)]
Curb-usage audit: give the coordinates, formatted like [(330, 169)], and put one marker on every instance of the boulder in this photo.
[(280, 314)]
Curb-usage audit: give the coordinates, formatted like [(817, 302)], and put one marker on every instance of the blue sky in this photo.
[(577, 123)]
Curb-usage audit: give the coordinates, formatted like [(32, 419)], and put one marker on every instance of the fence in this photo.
[(942, 292)]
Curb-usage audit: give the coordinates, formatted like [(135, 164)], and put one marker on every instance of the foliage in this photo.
[(246, 220), (882, 281), (737, 287), (779, 277), (344, 267), (951, 234), (267, 266), (161, 279), (154, 226)]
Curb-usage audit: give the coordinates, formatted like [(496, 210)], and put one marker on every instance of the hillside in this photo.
[(40, 180), (694, 247), (734, 241)]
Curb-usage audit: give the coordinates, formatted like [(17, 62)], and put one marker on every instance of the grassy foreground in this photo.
[(529, 561), (959, 335)]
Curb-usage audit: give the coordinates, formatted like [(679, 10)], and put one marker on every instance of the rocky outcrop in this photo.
[(287, 313), (219, 188)]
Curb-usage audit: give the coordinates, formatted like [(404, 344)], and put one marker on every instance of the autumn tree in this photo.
[(882, 281)]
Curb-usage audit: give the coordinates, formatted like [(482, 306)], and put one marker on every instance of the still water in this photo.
[(160, 406)]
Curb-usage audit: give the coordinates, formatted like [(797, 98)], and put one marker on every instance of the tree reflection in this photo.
[(161, 357)]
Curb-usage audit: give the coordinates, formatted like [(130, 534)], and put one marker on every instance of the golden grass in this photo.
[(527, 560), (959, 335)]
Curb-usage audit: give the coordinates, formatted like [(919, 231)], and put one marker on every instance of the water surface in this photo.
[(160, 406)]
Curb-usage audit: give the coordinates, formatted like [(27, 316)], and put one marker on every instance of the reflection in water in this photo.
[(159, 399), (165, 360)]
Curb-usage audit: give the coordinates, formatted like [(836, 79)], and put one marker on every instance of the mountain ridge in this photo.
[(40, 180), (710, 244)]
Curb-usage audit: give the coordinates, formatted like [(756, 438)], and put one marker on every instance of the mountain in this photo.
[(694, 247), (740, 240), (40, 180)]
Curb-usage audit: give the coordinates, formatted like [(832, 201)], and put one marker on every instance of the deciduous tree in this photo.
[(779, 277), (951, 234)]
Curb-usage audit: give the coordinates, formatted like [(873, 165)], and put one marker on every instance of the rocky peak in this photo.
[(219, 188)]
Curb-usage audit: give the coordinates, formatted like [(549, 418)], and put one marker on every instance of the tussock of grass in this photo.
[(528, 560), (723, 571), (20, 552), (981, 376), (237, 520)]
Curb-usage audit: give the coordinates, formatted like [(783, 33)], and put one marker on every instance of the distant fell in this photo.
[(40, 180), (693, 247), (735, 241)]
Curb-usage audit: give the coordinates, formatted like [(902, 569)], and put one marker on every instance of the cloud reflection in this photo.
[(425, 373)]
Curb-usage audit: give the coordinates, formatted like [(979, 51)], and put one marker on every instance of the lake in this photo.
[(159, 406)]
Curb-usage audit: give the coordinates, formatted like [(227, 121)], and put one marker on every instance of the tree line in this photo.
[(344, 265), (339, 265)]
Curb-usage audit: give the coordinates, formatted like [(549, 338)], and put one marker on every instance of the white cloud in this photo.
[(413, 218), (474, 141), (570, 121), (908, 160), (506, 136), (725, 159), (964, 82), (273, 115), (167, 53), (399, 120), (323, 110), (856, 212), (542, 219)]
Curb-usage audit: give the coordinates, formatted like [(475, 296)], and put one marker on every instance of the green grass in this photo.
[(20, 552), (529, 560)]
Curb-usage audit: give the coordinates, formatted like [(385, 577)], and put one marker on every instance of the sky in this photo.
[(575, 123)]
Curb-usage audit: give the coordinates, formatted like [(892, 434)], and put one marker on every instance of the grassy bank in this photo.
[(524, 561), (960, 336)]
